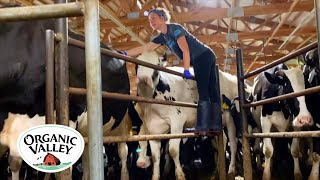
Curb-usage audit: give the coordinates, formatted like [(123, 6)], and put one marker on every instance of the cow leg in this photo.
[(233, 145), (15, 165), (310, 145), (155, 151), (267, 148), (295, 154), (143, 161), (174, 151), (123, 154), (257, 150), (314, 174)]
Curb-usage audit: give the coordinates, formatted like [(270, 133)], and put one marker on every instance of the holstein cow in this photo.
[(22, 80), (291, 112), (311, 72), (160, 119)]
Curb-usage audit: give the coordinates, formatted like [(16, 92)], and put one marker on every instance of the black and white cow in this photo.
[(22, 81), (160, 119), (293, 112), (311, 72)]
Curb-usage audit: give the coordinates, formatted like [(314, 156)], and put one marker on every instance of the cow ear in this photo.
[(272, 78)]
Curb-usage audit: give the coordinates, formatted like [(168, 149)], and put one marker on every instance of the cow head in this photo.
[(289, 81), (148, 78), (311, 68)]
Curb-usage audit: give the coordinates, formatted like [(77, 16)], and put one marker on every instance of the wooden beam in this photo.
[(292, 6), (206, 13), (203, 25), (146, 6), (125, 6), (172, 13), (221, 38)]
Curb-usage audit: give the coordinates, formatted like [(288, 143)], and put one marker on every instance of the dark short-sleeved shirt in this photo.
[(174, 32)]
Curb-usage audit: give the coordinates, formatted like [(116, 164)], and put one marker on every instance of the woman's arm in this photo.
[(182, 42), (138, 50)]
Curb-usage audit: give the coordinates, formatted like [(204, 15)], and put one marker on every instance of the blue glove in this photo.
[(124, 53), (187, 74)]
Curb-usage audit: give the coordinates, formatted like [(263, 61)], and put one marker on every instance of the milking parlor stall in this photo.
[(66, 63)]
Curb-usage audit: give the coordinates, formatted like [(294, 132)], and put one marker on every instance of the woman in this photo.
[(193, 52)]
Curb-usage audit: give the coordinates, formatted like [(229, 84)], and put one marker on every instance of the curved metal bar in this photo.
[(125, 97), (281, 60), (128, 59)]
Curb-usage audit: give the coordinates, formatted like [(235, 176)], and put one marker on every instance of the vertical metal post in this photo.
[(62, 79), (50, 77), (62, 70), (94, 94), (247, 166), (317, 6), (221, 152)]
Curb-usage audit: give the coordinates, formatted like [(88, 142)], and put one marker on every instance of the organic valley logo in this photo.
[(50, 148)]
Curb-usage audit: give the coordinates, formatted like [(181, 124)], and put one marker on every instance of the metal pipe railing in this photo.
[(128, 59), (43, 12), (125, 97), (247, 166), (133, 138), (281, 60), (293, 134), (283, 97), (221, 152)]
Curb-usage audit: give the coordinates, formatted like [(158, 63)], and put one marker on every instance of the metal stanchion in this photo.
[(50, 77), (94, 98), (247, 166)]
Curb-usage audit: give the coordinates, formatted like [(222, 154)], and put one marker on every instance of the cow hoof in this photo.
[(215, 175), (180, 176), (231, 176), (124, 176), (266, 176), (155, 177), (298, 177)]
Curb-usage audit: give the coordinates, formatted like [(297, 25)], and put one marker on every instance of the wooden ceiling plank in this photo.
[(306, 41), (125, 6), (214, 13), (292, 6), (108, 12), (267, 22), (203, 25), (172, 13), (146, 6), (221, 38)]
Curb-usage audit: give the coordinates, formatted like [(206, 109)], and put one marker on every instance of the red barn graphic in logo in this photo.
[(51, 160)]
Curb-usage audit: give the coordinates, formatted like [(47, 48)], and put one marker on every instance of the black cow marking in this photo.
[(178, 111), (170, 98), (163, 86), (272, 85)]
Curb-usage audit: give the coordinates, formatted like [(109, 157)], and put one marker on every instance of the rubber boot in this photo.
[(208, 119), (216, 124)]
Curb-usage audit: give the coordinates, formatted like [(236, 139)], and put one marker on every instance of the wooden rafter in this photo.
[(292, 6), (203, 25), (221, 38), (214, 13)]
